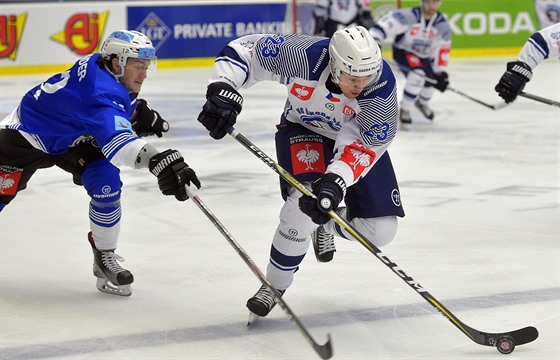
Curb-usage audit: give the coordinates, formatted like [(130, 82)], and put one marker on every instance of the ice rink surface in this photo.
[(480, 188)]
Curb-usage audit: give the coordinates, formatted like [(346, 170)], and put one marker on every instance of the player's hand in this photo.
[(442, 79), (146, 121), (329, 190), (223, 104), (513, 80), (173, 174)]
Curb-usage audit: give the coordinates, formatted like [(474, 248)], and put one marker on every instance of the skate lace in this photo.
[(264, 296), (110, 261), (325, 241)]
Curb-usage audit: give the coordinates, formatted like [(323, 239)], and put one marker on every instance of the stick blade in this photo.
[(325, 351)]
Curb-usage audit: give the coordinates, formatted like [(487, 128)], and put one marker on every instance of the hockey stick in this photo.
[(403, 68), (539, 99), (325, 351), (505, 342)]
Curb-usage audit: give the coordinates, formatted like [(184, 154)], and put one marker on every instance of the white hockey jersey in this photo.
[(363, 127), (541, 45), (341, 11), (409, 31)]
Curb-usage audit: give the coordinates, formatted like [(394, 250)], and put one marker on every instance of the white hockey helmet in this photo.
[(126, 44), (355, 52)]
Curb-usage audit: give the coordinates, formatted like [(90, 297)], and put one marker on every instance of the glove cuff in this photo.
[(163, 160), (520, 68)]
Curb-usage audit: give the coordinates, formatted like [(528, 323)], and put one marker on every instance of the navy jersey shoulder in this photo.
[(382, 88), (293, 55)]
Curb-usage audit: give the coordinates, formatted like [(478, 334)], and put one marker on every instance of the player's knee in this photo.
[(381, 231), (102, 181)]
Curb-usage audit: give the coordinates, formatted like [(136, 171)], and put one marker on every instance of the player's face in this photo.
[(429, 8), (352, 86), (135, 71)]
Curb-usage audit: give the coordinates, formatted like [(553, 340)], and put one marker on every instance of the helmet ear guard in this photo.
[(125, 44), (355, 52)]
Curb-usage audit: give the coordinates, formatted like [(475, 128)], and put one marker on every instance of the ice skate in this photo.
[(261, 304), (425, 110), (323, 244), (111, 277), (405, 117)]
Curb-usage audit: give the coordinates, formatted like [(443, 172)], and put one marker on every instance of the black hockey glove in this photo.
[(146, 121), (173, 174), (365, 19), (220, 111), (442, 81), (330, 190), (320, 25), (513, 80)]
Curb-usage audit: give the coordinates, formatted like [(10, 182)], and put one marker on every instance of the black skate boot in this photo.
[(323, 244), (111, 277), (425, 110), (261, 303)]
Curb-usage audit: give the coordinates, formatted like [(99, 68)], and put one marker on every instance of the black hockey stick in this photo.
[(539, 99), (403, 68), (505, 342), (325, 351)]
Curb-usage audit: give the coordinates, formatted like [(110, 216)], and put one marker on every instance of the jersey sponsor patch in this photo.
[(302, 92), (348, 110), (9, 179), (413, 61), (358, 158), (307, 157), (122, 123)]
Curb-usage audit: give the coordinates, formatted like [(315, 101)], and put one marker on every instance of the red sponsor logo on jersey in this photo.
[(302, 92), (413, 61), (307, 157), (358, 158), (443, 56), (9, 180), (83, 32), (348, 110), (11, 28)]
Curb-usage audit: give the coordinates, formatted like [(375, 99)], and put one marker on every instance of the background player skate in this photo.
[(332, 15), (339, 119), (80, 120), (541, 45), (421, 39)]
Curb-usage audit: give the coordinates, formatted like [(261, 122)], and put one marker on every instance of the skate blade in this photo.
[(252, 319), (105, 286)]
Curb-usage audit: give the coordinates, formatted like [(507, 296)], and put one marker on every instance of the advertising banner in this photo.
[(201, 31), (39, 35)]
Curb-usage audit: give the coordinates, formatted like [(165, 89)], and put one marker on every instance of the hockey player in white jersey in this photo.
[(332, 15), (421, 41), (541, 45), (547, 11), (339, 119), (87, 121)]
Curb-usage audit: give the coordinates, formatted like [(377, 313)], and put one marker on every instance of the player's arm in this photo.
[(541, 45)]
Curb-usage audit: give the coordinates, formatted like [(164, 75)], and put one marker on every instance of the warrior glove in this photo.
[(513, 80), (329, 190), (223, 104), (146, 121), (173, 174)]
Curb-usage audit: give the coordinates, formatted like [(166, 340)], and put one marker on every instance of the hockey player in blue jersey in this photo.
[(421, 41), (541, 45), (339, 119), (87, 121)]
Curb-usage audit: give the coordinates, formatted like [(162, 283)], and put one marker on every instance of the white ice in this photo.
[(481, 192)]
